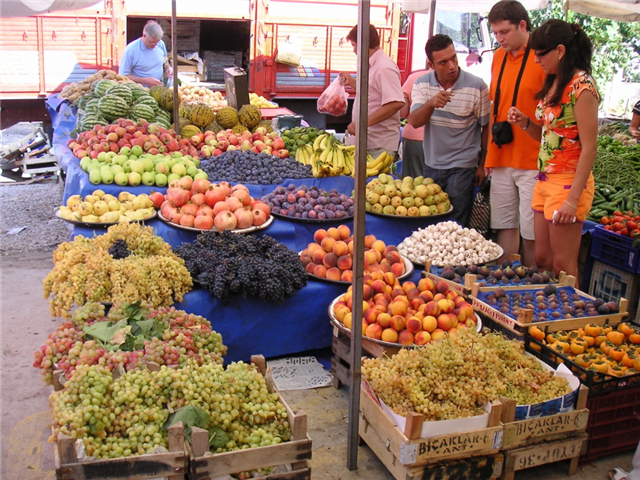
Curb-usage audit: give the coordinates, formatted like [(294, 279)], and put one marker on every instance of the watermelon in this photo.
[(92, 106), (139, 92), (121, 91), (112, 107), (103, 86), (143, 111), (150, 101)]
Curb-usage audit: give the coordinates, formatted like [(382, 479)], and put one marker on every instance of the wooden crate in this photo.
[(409, 450), (524, 320), (294, 453), (341, 359), (173, 464)]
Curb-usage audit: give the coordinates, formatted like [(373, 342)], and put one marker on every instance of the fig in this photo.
[(528, 297), (592, 312), (549, 289), (613, 307), (553, 305), (533, 270), (566, 309), (505, 281), (521, 271), (503, 299), (499, 292), (516, 295), (504, 308), (448, 274), (492, 281), (484, 271), (526, 281), (509, 273), (542, 306), (556, 314), (536, 278), (598, 302), (460, 270), (497, 274), (603, 309), (543, 315), (472, 269), (506, 264)]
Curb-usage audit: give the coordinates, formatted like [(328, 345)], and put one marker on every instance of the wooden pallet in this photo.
[(409, 450), (293, 454), (538, 441), (172, 465)]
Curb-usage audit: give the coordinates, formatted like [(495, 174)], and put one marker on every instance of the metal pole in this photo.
[(362, 100), (432, 18), (174, 62)]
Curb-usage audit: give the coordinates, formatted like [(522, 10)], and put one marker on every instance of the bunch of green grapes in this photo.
[(85, 271), (124, 416), (455, 378), (185, 336)]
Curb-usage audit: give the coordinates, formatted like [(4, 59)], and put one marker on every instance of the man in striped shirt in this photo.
[(454, 108)]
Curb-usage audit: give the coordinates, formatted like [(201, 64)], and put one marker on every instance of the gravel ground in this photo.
[(29, 207)]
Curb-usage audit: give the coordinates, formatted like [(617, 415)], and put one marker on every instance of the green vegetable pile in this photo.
[(298, 136)]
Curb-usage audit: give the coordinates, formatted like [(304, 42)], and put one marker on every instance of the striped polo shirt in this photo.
[(452, 137)]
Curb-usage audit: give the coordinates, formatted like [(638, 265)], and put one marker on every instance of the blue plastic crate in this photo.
[(614, 249)]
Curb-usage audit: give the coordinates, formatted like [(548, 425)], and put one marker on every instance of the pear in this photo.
[(85, 208), (124, 219), (418, 181), (123, 196), (90, 219), (108, 198), (109, 217), (100, 208), (73, 201), (114, 205), (98, 193), (76, 216), (65, 212), (91, 199), (139, 202)]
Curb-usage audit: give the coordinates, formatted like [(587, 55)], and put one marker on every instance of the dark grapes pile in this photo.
[(229, 263), (119, 249), (309, 203), (253, 168)]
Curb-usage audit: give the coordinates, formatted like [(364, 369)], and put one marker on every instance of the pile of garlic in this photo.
[(448, 243)]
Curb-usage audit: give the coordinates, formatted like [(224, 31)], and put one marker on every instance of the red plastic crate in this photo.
[(614, 249)]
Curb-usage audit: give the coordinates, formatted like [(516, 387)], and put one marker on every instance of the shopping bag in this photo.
[(333, 100), (290, 51), (480, 218)]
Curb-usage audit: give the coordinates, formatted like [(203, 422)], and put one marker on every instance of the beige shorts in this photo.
[(511, 196)]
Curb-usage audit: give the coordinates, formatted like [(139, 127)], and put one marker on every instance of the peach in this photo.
[(370, 257), (398, 322), (382, 302), (304, 258), (437, 334), (328, 243), (347, 320), (379, 245), (318, 257), (378, 255), (397, 292), (351, 245), (340, 248), (390, 279), (468, 311), (459, 300), (429, 323), (458, 314), (405, 337), (384, 319), (384, 266), (416, 303), (371, 315), (446, 306), (344, 262), (442, 287), (333, 273), (444, 321), (422, 338), (378, 286), (451, 295), (389, 335), (374, 331), (414, 293), (310, 267), (368, 240), (314, 247), (341, 311), (330, 260), (408, 285), (397, 268), (414, 325), (438, 296), (347, 276), (452, 331), (377, 275), (320, 271), (344, 231), (454, 320), (397, 308), (432, 309), (320, 235), (333, 233), (426, 295), (393, 257), (367, 292), (426, 284)]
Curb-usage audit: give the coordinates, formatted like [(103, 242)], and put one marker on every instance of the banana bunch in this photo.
[(105, 208), (327, 157), (382, 164)]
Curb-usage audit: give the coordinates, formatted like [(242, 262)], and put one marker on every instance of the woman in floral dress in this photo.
[(567, 121)]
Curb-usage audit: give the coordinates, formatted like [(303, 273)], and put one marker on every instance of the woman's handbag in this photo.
[(480, 218)]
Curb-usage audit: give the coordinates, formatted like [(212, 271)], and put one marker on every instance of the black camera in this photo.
[(502, 133)]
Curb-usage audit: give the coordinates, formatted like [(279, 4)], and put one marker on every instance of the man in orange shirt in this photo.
[(513, 166)]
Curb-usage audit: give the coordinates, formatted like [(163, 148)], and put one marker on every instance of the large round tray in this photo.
[(405, 217), (336, 323), (237, 230), (500, 253), (98, 224), (313, 220), (408, 266)]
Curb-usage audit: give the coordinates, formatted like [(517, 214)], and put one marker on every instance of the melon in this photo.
[(182, 122), (201, 114), (157, 91), (266, 124), (238, 128), (250, 116), (213, 127), (227, 117), (189, 131)]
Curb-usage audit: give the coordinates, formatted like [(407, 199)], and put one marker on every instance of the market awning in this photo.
[(621, 10), (475, 6), (26, 8)]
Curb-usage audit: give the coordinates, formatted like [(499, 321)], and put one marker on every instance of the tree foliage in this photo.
[(616, 44)]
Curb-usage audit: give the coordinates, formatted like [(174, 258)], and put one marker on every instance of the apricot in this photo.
[(405, 337), (344, 262), (330, 260), (312, 248), (397, 269), (344, 231), (426, 285), (368, 240), (318, 256), (389, 335), (444, 321), (333, 273), (328, 243), (437, 334), (422, 338), (320, 271), (340, 248), (398, 308), (384, 319), (347, 276), (379, 245), (442, 287), (374, 331), (333, 233), (310, 267), (304, 258), (429, 323), (320, 235), (414, 325), (398, 322)]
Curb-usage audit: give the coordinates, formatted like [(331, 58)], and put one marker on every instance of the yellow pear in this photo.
[(73, 201), (98, 193), (110, 217), (114, 205), (100, 207), (109, 198), (65, 212), (85, 208), (124, 196), (90, 219), (91, 199)]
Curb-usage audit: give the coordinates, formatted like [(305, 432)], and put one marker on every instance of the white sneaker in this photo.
[(617, 474)]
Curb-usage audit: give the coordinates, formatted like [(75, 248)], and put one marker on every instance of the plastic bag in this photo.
[(480, 218), (290, 51), (333, 100)]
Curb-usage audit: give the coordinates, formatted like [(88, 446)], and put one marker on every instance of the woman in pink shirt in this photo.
[(412, 151)]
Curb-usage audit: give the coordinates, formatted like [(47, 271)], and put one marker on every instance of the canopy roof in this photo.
[(621, 10), (26, 8)]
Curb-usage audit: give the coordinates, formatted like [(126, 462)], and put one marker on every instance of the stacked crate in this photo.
[(215, 63)]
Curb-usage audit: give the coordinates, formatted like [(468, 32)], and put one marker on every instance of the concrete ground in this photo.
[(24, 416)]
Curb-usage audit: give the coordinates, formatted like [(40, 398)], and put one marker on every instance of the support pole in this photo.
[(174, 62), (362, 100), (432, 18)]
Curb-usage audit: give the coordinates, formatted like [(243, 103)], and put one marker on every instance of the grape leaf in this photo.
[(190, 416), (104, 332), (218, 438)]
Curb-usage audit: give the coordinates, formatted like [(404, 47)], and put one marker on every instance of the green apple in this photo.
[(95, 177), (148, 178), (116, 169), (126, 151), (127, 166), (136, 150), (147, 164), (120, 159), (201, 174), (176, 155), (161, 180), (172, 177), (192, 171), (110, 156), (179, 169), (121, 179), (102, 156), (137, 166), (107, 177), (134, 179)]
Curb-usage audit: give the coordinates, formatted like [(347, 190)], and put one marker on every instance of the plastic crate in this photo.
[(614, 423), (598, 383), (611, 284), (614, 249)]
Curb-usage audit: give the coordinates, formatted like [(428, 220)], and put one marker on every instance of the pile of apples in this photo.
[(129, 138), (204, 205), (330, 256), (213, 144), (406, 313)]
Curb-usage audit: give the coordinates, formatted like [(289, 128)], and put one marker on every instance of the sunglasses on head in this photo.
[(541, 54)]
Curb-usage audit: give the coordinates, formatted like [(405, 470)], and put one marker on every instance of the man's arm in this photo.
[(484, 142), (421, 115), (144, 80), (387, 110)]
